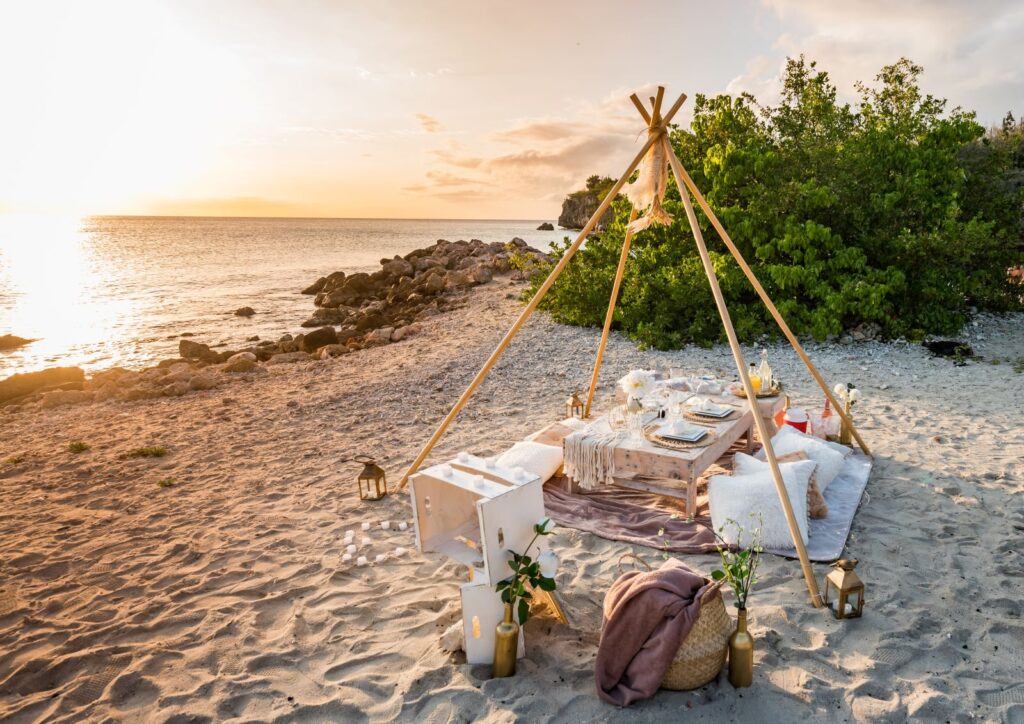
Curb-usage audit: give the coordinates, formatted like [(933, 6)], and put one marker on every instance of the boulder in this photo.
[(202, 381), (316, 287), (482, 274), (404, 332), (10, 341), (331, 350), (327, 316), (58, 398), (241, 362), (196, 350), (27, 382), (316, 339), (398, 267), (176, 389), (546, 226), (245, 312), (380, 336), (288, 358), (458, 279)]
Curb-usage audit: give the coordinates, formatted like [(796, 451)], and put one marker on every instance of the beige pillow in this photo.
[(816, 505)]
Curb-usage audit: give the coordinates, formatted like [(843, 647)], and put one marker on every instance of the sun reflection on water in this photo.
[(53, 290)]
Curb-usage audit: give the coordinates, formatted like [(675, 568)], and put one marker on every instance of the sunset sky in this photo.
[(416, 109)]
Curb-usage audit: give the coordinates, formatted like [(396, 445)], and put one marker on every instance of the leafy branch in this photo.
[(739, 567), (526, 570)]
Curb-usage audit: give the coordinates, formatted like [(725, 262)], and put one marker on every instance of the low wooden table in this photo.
[(642, 465)]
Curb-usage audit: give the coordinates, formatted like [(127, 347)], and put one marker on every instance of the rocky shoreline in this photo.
[(353, 312)]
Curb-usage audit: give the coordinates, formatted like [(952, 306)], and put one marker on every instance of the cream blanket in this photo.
[(590, 455)]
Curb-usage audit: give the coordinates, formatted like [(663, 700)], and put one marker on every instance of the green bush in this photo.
[(847, 216)]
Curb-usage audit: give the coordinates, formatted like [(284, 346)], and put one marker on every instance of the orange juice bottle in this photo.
[(755, 379)]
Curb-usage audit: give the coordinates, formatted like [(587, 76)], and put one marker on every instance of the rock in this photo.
[(326, 316), (579, 206), (197, 350), (546, 226), (316, 339), (380, 336), (316, 287), (241, 362), (398, 267), (332, 350), (10, 341), (58, 398), (176, 389), (433, 283), (458, 279), (482, 274), (245, 312), (28, 382), (288, 358), (202, 381), (254, 338)]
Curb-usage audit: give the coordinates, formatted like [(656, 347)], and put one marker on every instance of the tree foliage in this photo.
[(895, 211)]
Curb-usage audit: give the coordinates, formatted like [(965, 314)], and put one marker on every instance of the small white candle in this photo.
[(446, 470), (380, 558), (491, 463), (385, 524), (350, 549), (366, 540), (361, 561), (478, 481), (365, 526), (400, 551), (346, 558), (403, 525), (463, 457)]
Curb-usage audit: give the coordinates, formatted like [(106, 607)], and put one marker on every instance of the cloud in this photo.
[(539, 159), (971, 52), (429, 123)]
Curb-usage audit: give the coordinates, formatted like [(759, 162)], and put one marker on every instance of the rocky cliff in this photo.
[(579, 206)]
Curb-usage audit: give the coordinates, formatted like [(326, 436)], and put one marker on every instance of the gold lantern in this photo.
[(574, 406), (849, 590), (373, 484)]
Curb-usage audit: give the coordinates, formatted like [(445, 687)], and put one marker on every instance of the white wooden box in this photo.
[(482, 611), (475, 514)]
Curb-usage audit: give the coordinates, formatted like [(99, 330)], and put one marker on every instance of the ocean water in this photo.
[(119, 291)]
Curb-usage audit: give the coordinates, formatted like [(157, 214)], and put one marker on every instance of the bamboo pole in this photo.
[(656, 106), (460, 403), (640, 107), (610, 313), (681, 174), (737, 353)]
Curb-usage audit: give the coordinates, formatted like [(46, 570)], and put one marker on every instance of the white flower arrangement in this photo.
[(637, 383)]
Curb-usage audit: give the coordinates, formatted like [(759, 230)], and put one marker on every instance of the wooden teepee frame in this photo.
[(657, 132)]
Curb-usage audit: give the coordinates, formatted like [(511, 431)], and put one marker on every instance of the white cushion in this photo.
[(788, 439), (534, 457), (740, 498)]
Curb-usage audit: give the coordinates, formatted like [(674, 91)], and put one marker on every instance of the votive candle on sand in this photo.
[(365, 526), (385, 524), (403, 525), (361, 561)]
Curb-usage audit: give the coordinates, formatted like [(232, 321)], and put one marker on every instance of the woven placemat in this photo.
[(677, 444), (709, 419), (774, 391)]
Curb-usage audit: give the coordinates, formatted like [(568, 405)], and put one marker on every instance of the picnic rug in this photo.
[(658, 522)]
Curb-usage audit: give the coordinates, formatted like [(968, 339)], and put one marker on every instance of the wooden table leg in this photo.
[(691, 497), (750, 440)]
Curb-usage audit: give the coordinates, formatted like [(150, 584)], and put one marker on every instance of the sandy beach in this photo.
[(207, 585)]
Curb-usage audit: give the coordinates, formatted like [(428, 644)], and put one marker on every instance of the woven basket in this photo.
[(702, 655)]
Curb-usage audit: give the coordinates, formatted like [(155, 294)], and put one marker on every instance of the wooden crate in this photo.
[(482, 611), (475, 514)]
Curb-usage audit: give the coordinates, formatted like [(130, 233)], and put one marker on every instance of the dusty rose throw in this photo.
[(647, 615)]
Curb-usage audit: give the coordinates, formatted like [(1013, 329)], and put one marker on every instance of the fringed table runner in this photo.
[(590, 455)]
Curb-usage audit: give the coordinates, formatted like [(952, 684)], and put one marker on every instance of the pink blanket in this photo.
[(647, 615)]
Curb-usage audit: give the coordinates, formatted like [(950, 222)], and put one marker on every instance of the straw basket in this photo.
[(702, 655)]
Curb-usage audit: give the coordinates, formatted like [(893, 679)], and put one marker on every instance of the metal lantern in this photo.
[(849, 590), (574, 406), (373, 484)]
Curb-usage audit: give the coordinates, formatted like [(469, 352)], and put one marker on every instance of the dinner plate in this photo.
[(716, 411), (693, 434)]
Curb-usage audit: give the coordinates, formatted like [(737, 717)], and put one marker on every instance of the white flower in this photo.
[(544, 525), (637, 384), (548, 564), (839, 389), (854, 395)]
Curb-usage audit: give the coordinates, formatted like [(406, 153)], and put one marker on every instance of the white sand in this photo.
[(224, 596)]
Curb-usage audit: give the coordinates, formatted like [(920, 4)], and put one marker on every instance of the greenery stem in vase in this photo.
[(538, 573), (739, 570)]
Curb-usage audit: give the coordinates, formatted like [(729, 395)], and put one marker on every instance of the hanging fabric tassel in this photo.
[(648, 191)]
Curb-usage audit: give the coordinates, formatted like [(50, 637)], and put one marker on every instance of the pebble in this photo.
[(350, 549), (366, 540), (380, 558), (346, 558)]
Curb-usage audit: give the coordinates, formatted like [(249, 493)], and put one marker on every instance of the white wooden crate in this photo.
[(482, 611), (475, 514)]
